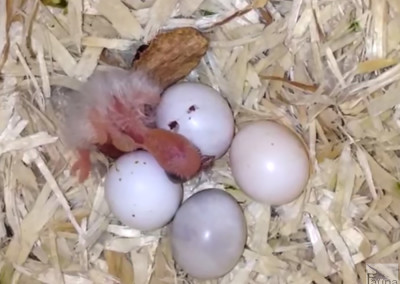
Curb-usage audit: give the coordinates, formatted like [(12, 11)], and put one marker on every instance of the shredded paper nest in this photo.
[(327, 69)]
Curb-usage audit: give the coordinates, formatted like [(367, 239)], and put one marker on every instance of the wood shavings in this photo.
[(123, 231), (332, 232), (7, 104), (159, 14), (382, 177), (379, 40), (121, 18), (44, 74), (26, 143), (385, 252), (394, 31), (25, 176), (321, 259), (55, 259), (57, 50), (139, 4), (75, 21), (6, 23), (267, 264), (142, 263), (15, 126), (311, 88), (39, 95), (382, 103), (32, 154), (363, 160), (11, 211), (118, 44), (334, 67), (48, 276), (163, 264), (3, 30), (126, 245), (98, 276), (20, 247), (329, 71), (236, 75), (119, 266), (188, 7), (87, 63), (372, 65), (245, 9), (293, 16), (258, 240), (344, 186), (93, 233)]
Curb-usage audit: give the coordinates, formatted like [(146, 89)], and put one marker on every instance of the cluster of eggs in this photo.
[(208, 231)]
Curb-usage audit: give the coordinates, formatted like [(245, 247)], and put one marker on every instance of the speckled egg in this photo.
[(199, 113), (139, 193)]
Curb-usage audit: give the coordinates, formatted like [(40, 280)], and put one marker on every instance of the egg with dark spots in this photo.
[(140, 193), (192, 108), (200, 113), (173, 125)]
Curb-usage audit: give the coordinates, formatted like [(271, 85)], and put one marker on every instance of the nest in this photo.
[(328, 69)]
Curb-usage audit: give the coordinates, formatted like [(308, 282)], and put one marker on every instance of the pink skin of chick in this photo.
[(114, 112)]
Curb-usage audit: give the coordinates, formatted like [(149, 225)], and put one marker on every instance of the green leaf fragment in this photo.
[(56, 3), (206, 13), (354, 26)]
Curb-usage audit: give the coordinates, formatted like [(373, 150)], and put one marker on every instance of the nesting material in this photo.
[(329, 70)]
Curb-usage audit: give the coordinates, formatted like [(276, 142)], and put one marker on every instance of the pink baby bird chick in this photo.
[(114, 112)]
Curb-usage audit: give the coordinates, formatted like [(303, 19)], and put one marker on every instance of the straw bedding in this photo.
[(328, 69)]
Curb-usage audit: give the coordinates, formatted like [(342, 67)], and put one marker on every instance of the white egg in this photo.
[(269, 162), (139, 192), (208, 234), (199, 113)]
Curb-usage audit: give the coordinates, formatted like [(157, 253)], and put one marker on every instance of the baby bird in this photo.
[(114, 112)]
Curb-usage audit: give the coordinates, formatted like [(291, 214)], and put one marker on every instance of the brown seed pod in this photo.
[(171, 55)]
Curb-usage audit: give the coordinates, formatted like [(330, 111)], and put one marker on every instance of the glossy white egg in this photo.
[(199, 113), (139, 192), (269, 162), (208, 234)]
